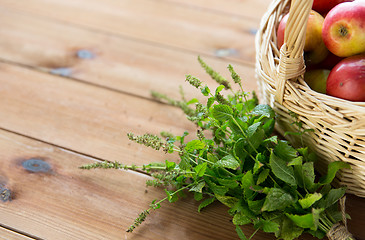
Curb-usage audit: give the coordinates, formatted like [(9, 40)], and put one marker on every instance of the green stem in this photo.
[(253, 234)]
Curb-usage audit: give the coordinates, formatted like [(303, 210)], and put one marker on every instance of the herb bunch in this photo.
[(237, 161)]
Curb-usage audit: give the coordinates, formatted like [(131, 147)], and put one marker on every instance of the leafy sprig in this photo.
[(237, 161)]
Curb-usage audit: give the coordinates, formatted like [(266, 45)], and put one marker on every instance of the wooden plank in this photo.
[(246, 8), (6, 234), (65, 202), (78, 116), (119, 63), (161, 22)]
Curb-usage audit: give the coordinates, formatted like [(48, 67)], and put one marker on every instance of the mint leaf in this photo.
[(228, 183), (239, 149), (216, 189), (289, 230), (205, 203), (171, 196), (309, 200), (269, 226), (200, 169), (169, 165), (184, 162), (252, 129), (304, 221), (256, 139), (222, 112), (281, 170), (228, 161), (284, 151), (240, 233), (277, 199), (262, 176), (255, 206), (198, 187), (205, 91), (227, 200), (247, 183), (305, 176), (198, 196), (296, 161), (332, 197), (263, 110), (333, 167), (240, 219), (194, 145)]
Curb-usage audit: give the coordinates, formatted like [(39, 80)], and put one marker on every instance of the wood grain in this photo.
[(68, 203), (82, 117), (161, 22), (114, 62), (6, 234), (245, 8)]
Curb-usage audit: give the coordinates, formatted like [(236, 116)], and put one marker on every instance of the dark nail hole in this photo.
[(64, 72), (36, 165), (85, 54), (225, 52), (5, 194)]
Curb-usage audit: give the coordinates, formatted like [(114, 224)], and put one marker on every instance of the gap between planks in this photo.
[(7, 233)]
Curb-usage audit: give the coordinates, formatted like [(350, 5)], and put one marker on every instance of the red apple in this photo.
[(347, 79), (330, 61), (344, 29), (314, 48), (323, 6), (317, 79)]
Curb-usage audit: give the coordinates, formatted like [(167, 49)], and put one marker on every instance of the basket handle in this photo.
[(291, 64)]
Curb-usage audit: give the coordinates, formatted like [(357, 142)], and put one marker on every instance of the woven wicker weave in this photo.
[(339, 125)]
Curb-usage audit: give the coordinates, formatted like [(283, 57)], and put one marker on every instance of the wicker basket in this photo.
[(339, 125)]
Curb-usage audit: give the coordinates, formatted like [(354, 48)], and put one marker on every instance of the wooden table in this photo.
[(75, 77)]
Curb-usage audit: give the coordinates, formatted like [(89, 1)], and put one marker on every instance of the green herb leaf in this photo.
[(263, 110), (171, 196), (169, 165), (216, 189), (332, 197), (205, 91), (227, 200), (241, 219), (247, 183), (296, 161), (303, 221), (333, 167), (256, 206), (309, 200), (277, 199), (262, 176), (198, 196), (240, 233), (198, 187), (228, 161), (206, 203), (289, 230), (194, 145), (269, 226), (281, 170), (200, 169), (222, 112), (305, 176), (284, 151), (229, 183)]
